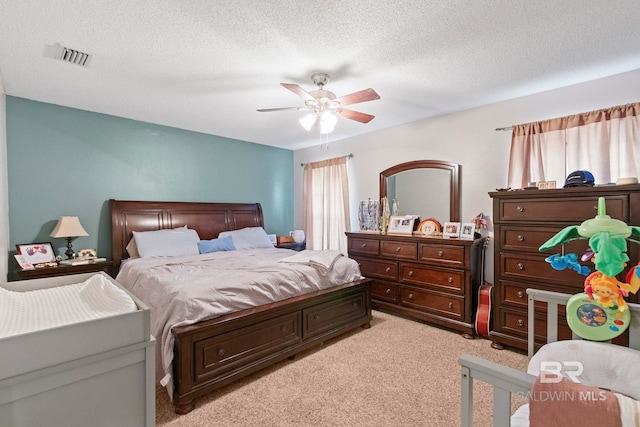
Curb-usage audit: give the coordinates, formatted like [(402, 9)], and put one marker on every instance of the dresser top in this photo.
[(596, 191)]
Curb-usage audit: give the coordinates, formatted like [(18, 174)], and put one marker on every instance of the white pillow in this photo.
[(607, 366), (164, 243), (132, 248), (248, 238)]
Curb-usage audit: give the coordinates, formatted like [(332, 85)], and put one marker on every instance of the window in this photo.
[(325, 206), (604, 142)]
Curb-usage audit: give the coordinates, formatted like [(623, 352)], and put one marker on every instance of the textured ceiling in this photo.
[(208, 65)]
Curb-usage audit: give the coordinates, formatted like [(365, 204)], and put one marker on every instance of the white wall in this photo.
[(467, 138)]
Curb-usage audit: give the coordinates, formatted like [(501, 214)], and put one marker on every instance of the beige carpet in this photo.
[(397, 373)]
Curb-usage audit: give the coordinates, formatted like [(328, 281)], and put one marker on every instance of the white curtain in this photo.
[(325, 206), (603, 142)]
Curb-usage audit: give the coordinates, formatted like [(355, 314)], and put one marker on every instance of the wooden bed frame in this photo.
[(213, 353)]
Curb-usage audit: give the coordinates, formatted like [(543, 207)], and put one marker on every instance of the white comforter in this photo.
[(185, 290)]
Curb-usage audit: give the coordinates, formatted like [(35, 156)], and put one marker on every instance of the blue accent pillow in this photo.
[(216, 245)]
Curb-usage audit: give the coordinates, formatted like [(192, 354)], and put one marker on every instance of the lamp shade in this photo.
[(68, 226)]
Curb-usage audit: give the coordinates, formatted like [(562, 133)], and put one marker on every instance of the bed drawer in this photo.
[(379, 268), (227, 351), (442, 254), (442, 278), (570, 209), (435, 302), (325, 317)]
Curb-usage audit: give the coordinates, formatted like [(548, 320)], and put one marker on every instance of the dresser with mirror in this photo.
[(427, 278)]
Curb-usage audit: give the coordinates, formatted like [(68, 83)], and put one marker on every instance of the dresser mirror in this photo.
[(429, 188)]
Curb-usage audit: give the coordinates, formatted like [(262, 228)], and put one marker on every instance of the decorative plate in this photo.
[(429, 227)]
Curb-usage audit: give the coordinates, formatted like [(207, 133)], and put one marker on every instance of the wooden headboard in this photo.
[(208, 219)]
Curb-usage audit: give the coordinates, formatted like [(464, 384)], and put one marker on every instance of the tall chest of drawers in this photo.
[(523, 221), (430, 279)]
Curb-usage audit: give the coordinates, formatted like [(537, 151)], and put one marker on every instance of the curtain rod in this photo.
[(348, 156), (505, 128)]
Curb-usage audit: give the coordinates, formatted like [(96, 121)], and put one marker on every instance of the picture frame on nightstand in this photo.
[(35, 253)]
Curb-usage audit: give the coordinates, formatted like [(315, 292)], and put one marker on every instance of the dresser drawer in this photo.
[(441, 254), (516, 322), (380, 268), (569, 209), (442, 278), (435, 302), (399, 250), (364, 246), (384, 291), (515, 295), (530, 238), (528, 268)]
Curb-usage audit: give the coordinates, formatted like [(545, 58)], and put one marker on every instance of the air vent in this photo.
[(74, 56)]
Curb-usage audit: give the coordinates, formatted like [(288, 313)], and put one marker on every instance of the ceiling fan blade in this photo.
[(298, 91), (266, 110), (355, 115), (360, 96)]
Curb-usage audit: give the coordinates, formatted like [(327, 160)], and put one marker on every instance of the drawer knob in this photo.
[(520, 209), (450, 305), (440, 253), (520, 294), (520, 238), (520, 322), (388, 269), (450, 280), (316, 317), (388, 291), (398, 249), (410, 296), (283, 328), (354, 304), (221, 352), (520, 266), (411, 273), (364, 245)]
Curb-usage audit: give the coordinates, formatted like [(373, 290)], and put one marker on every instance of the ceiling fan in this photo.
[(324, 107)]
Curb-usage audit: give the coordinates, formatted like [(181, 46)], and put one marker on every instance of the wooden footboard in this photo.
[(214, 353)]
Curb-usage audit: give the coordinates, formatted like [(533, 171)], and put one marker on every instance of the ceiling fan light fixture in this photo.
[(327, 122), (308, 121)]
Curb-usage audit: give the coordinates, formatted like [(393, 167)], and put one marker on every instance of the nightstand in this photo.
[(64, 270), (293, 246)]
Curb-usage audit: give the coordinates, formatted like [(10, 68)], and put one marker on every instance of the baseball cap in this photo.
[(579, 179)]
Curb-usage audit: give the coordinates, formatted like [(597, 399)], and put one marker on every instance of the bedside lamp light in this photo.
[(68, 227)]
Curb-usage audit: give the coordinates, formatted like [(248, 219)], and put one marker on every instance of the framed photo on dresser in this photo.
[(451, 230), (467, 230), (401, 224)]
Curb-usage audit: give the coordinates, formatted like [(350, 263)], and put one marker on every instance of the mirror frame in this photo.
[(454, 182)]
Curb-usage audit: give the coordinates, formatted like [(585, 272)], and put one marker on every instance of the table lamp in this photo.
[(69, 227)]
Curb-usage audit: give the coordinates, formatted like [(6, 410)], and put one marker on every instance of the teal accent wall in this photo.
[(65, 161)]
